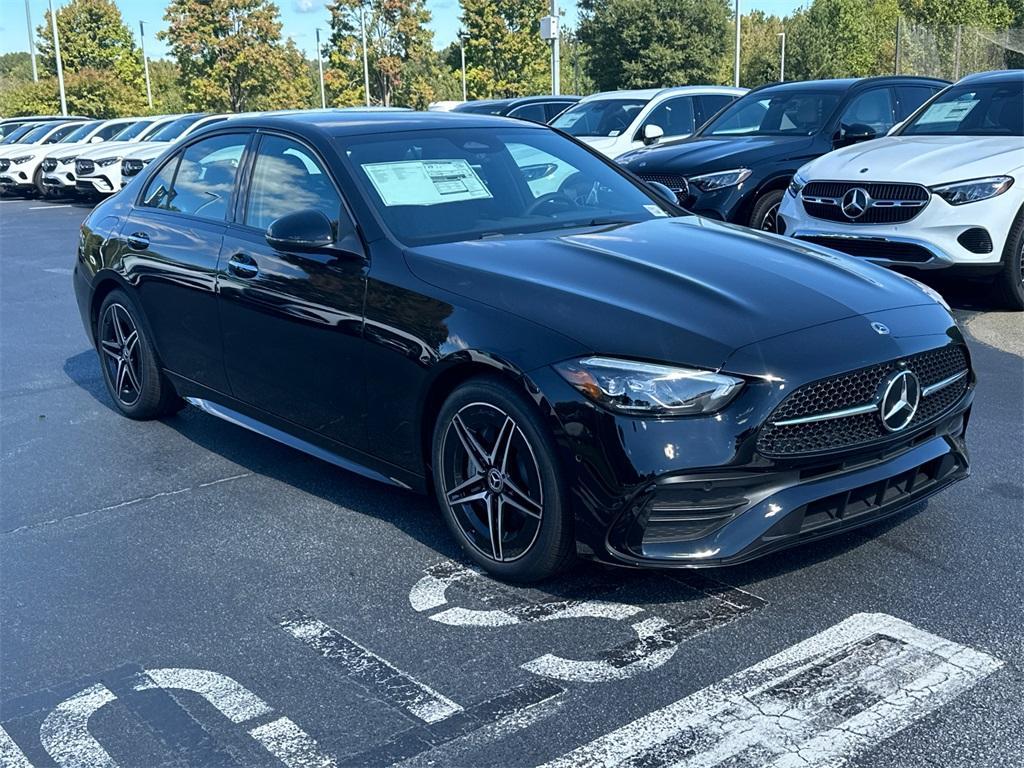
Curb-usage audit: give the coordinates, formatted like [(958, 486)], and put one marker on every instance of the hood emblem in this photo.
[(855, 202), (881, 329), (900, 398), (863, 170)]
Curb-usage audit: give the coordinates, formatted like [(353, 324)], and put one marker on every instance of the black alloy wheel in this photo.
[(1009, 283), (765, 215), (496, 482)]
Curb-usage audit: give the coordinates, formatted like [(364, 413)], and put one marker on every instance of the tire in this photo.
[(37, 180), (130, 369), (1009, 283), (494, 461), (766, 211)]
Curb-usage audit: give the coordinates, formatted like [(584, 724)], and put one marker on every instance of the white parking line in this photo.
[(291, 745), (817, 703), (65, 731), (231, 699), (48, 207), (11, 755)]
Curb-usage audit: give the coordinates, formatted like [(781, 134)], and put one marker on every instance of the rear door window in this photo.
[(532, 112)]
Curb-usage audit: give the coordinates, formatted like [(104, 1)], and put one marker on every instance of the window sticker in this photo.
[(656, 210), (425, 182), (948, 112)]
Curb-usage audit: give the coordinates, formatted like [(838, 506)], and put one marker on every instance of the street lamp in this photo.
[(782, 57), (320, 66), (31, 42), (463, 37), (145, 62), (366, 58), (60, 62), (736, 57)]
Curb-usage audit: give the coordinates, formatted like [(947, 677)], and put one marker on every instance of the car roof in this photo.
[(354, 123), (843, 84), (650, 93), (42, 118), (997, 76)]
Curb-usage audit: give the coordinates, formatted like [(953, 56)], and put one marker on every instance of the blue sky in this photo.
[(300, 18)]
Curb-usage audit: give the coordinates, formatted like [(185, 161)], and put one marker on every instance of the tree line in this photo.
[(229, 55)]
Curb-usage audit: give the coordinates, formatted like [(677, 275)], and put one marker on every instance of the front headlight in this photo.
[(647, 389), (108, 161), (973, 190), (720, 180), (797, 183), (22, 159)]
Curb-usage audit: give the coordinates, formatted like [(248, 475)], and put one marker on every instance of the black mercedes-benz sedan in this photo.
[(738, 165), (486, 310)]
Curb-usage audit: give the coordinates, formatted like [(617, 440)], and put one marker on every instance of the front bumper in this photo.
[(696, 492), (106, 183), (60, 179), (934, 239)]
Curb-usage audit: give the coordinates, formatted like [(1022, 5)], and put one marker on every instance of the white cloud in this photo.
[(305, 6)]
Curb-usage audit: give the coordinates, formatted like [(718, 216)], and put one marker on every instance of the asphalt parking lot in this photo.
[(186, 593)]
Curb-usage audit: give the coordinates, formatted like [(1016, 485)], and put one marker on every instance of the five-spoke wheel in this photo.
[(119, 343)]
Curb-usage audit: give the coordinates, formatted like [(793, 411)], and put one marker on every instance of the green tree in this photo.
[(653, 43), (841, 38), (230, 55), (167, 94), (93, 92), (400, 54), (92, 36), (505, 55), (760, 50), (15, 67)]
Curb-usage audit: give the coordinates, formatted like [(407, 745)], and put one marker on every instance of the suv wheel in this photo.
[(498, 485), (1010, 280), (765, 215)]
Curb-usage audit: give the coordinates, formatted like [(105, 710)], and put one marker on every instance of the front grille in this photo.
[(84, 167), (889, 203), (49, 165), (673, 181), (855, 389), (873, 248)]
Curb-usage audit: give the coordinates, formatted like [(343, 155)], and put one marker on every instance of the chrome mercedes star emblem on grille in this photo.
[(900, 398), (881, 329), (855, 202)]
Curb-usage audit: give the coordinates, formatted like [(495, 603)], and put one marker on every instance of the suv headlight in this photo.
[(796, 184), (973, 190), (108, 161), (720, 180), (647, 389), (22, 159)]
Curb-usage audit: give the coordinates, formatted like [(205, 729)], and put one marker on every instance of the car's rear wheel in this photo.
[(130, 369), (765, 215), (1009, 282), (497, 482)]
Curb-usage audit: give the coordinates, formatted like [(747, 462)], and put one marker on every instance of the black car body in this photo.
[(351, 343), (767, 134), (536, 109)]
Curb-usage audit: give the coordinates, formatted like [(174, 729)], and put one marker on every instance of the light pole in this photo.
[(366, 59), (60, 64), (463, 37), (556, 60), (31, 43), (145, 62), (320, 65), (736, 57), (782, 57)]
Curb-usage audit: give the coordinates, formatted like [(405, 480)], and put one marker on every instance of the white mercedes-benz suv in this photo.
[(944, 190)]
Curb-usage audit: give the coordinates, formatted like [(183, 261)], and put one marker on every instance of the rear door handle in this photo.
[(138, 241), (241, 265)]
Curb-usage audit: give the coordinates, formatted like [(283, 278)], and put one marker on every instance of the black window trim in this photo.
[(175, 157)]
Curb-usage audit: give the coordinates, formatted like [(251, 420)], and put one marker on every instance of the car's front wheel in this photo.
[(1010, 280), (765, 215), (497, 482), (130, 369)]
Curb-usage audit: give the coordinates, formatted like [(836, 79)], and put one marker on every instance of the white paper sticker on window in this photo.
[(947, 112), (656, 210), (425, 182)]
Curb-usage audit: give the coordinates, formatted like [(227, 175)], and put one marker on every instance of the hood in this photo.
[(120, 148), (16, 150), (688, 290), (924, 160), (73, 149), (147, 150), (719, 153), (602, 144)]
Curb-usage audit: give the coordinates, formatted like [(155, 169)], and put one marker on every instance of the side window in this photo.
[(61, 132), (674, 116), (287, 177), (109, 130), (711, 103), (532, 112), (553, 109), (911, 97), (872, 108), (204, 180)]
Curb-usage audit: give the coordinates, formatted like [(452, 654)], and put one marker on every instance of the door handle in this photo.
[(241, 265), (138, 241)]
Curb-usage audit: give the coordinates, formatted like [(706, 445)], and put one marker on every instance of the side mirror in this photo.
[(305, 230), (652, 133), (854, 134), (664, 192), (95, 139)]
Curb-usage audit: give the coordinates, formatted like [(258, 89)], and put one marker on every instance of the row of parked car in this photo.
[(910, 172)]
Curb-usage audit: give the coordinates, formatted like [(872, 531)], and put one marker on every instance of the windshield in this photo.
[(133, 130), (171, 131), (994, 109), (17, 133), (778, 113), (599, 117), (486, 108), (37, 133), (464, 184), (81, 132)]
